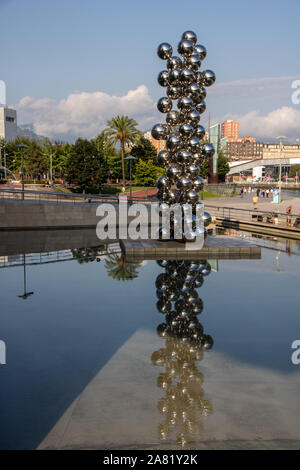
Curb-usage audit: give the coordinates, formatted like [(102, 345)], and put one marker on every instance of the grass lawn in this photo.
[(209, 195), (118, 189)]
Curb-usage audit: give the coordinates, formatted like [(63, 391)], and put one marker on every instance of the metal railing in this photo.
[(277, 219), (50, 257), (58, 197)]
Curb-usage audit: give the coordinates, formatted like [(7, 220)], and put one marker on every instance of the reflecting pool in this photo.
[(103, 353)]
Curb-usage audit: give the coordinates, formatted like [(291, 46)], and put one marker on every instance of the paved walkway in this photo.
[(264, 204)]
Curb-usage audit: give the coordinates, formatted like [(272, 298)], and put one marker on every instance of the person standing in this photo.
[(255, 201), (289, 216)]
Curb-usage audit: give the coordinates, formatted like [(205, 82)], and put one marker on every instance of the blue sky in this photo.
[(56, 50)]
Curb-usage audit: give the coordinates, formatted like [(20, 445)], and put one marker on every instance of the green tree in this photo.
[(36, 164), (294, 171), (120, 269), (122, 129), (204, 169), (146, 173), (143, 149), (85, 166), (223, 165), (104, 146)]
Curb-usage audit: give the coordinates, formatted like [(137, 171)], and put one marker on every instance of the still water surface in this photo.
[(88, 366)]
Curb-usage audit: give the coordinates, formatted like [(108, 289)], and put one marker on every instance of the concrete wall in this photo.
[(35, 215), (42, 241)]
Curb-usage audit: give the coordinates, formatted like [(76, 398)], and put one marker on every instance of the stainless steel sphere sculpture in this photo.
[(185, 150), (184, 405)]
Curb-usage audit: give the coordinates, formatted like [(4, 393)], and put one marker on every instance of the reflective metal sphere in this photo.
[(185, 48), (174, 76), (209, 77), (164, 105), (183, 156), (174, 196), (174, 92), (172, 118), (163, 183), (174, 63), (201, 107), (193, 117), (199, 131), (158, 131), (192, 170), (202, 94), (193, 62), (186, 130), (164, 50), (194, 144), (190, 36), (186, 76), (198, 183), (206, 219), (193, 91), (197, 158), (208, 150), (184, 183), (173, 172), (163, 78), (185, 103), (201, 51), (173, 143), (163, 158)]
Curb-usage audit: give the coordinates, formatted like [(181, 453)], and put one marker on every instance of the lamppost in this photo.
[(22, 147), (130, 158), (2, 146), (50, 174), (280, 137)]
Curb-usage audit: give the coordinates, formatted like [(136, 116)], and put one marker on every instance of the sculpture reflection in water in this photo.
[(184, 404)]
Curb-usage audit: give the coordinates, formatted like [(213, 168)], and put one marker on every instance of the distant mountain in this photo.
[(27, 130)]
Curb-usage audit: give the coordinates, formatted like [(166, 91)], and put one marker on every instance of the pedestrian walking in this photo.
[(255, 201)]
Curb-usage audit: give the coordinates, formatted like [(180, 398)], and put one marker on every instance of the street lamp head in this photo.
[(130, 157), (22, 146)]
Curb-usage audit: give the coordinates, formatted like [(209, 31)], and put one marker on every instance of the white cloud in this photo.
[(85, 114), (282, 121)]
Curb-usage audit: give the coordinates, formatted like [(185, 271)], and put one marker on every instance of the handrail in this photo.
[(256, 216), (255, 211), (30, 194)]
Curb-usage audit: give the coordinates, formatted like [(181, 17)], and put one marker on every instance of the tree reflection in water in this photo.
[(88, 254), (120, 269), (183, 405)]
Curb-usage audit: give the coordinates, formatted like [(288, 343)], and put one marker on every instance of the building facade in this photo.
[(158, 144), (288, 151), (244, 149), (8, 123), (230, 130)]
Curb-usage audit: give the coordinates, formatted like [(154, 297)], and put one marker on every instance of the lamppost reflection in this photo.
[(184, 405), (26, 294)]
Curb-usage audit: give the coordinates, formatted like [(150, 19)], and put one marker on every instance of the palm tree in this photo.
[(120, 269), (122, 129)]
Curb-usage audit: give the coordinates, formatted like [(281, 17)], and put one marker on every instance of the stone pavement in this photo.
[(264, 204)]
